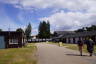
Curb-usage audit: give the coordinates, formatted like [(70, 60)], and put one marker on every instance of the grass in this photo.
[(75, 47), (25, 55), (53, 43)]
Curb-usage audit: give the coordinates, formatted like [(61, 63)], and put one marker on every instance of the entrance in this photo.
[(2, 43)]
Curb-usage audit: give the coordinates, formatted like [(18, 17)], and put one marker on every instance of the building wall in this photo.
[(11, 36), (76, 39), (2, 42), (67, 40), (71, 40)]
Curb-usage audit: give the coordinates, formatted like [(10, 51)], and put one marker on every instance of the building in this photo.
[(12, 39), (73, 37), (58, 35)]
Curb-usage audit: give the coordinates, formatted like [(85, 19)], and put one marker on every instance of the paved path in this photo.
[(52, 54)]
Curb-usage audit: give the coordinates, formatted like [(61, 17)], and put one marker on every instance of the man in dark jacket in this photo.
[(80, 46), (90, 46)]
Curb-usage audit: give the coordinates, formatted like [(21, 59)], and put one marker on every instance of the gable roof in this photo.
[(81, 34), (64, 32)]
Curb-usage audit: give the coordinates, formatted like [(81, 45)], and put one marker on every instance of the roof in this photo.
[(81, 34), (68, 34), (60, 34), (64, 32), (2, 33)]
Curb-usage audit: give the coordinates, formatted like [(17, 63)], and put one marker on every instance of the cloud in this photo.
[(6, 22), (79, 12), (71, 20), (41, 4)]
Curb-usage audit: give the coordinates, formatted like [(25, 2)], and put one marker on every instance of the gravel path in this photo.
[(53, 54)]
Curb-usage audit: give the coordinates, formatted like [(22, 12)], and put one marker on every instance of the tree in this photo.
[(48, 29), (55, 34), (20, 30), (93, 27), (44, 29), (40, 30), (81, 30), (0, 30), (28, 31)]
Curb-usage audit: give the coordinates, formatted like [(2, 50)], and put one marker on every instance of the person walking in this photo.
[(90, 46), (80, 46)]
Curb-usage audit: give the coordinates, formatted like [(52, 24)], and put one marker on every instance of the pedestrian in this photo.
[(80, 46), (90, 46)]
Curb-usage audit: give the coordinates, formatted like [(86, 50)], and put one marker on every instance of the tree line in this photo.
[(91, 28), (43, 30)]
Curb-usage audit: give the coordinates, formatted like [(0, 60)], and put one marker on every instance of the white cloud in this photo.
[(6, 22), (70, 4), (10, 1), (73, 5), (70, 20), (88, 5)]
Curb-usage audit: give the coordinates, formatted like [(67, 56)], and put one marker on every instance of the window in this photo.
[(13, 41)]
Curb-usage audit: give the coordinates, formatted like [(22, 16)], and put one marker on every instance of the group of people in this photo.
[(89, 43)]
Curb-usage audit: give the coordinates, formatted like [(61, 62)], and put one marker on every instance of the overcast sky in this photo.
[(62, 14)]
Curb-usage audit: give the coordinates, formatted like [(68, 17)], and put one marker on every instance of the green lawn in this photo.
[(72, 46), (52, 43), (25, 55), (75, 47)]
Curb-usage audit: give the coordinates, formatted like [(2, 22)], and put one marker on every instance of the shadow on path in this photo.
[(76, 55), (94, 54)]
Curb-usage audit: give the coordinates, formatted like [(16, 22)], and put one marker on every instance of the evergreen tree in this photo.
[(39, 30), (28, 31), (0, 30), (48, 29), (44, 29)]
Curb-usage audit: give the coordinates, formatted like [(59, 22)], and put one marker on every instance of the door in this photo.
[(2, 43)]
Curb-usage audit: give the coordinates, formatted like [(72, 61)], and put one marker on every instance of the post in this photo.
[(60, 44)]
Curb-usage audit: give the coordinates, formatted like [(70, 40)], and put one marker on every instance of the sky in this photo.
[(63, 15)]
